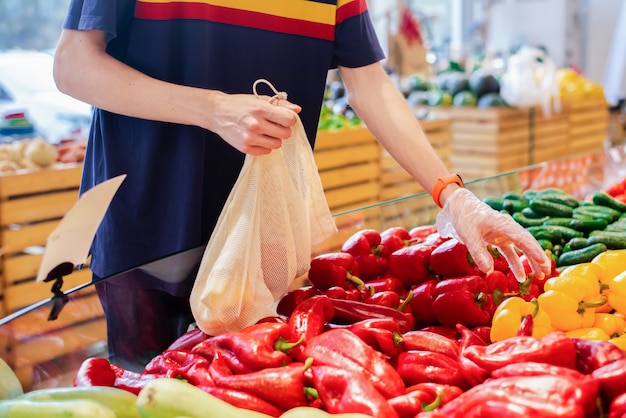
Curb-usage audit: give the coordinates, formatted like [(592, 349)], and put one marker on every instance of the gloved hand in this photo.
[(477, 225)]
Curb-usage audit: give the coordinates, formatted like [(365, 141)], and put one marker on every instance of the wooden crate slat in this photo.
[(16, 240), (342, 138), (21, 267), (61, 176), (349, 175), (345, 156), (37, 207), (352, 194)]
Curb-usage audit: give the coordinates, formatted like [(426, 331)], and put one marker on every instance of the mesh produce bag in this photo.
[(274, 215)]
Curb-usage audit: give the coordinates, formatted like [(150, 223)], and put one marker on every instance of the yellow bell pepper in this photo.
[(620, 341), (570, 299), (591, 333), (613, 325), (612, 263), (509, 314), (617, 295)]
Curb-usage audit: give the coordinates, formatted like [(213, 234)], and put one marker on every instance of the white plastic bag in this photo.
[(274, 215), (530, 80)]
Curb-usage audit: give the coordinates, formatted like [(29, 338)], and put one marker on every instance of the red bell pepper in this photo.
[(274, 334), (589, 386), (472, 372), (244, 400), (308, 320), (243, 352), (420, 233), (446, 331), (612, 379), (411, 264), (413, 402), (280, 386), (130, 381), (365, 246), (359, 293), (431, 342), (555, 348), (288, 302), (181, 364), (427, 366), (498, 286), (483, 332), (334, 269), (362, 242), (617, 408), (593, 354), (344, 391), (426, 396), (422, 304), (382, 334), (385, 298), (520, 396), (351, 311), (336, 292), (453, 259), (343, 349), (394, 238), (385, 283), (95, 371), (188, 340), (462, 300)]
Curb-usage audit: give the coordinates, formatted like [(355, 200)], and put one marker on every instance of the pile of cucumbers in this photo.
[(575, 231)]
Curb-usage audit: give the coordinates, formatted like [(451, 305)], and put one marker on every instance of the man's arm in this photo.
[(84, 70), (387, 115)]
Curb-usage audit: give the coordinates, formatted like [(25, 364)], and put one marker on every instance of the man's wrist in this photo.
[(441, 188)]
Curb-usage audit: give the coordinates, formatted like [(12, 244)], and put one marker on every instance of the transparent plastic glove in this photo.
[(474, 223)]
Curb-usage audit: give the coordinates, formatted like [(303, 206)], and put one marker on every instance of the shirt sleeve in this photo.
[(356, 43), (104, 15)]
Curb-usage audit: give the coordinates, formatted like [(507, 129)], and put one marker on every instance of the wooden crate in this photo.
[(488, 141), (548, 140), (348, 162), (588, 125), (395, 181), (32, 203)]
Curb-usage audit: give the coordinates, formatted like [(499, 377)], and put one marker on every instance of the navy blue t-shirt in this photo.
[(178, 176)]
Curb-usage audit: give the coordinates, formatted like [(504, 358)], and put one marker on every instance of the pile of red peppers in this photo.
[(396, 325)]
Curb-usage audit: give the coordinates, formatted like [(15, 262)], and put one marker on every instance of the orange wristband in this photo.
[(442, 183)]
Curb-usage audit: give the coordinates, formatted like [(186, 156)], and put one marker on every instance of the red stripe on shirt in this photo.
[(202, 11), (351, 9)]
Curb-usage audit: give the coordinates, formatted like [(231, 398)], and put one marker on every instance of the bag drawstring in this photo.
[(278, 95)]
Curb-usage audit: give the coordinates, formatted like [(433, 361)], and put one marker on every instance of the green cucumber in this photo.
[(545, 207), (554, 233), (583, 216), (583, 255), (605, 199), (558, 221), (494, 202), (598, 212), (525, 221), (588, 225), (558, 249), (514, 196), (529, 213), (512, 205), (563, 199), (577, 243), (530, 194), (612, 240)]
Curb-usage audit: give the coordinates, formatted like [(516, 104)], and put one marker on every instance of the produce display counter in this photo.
[(46, 353)]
